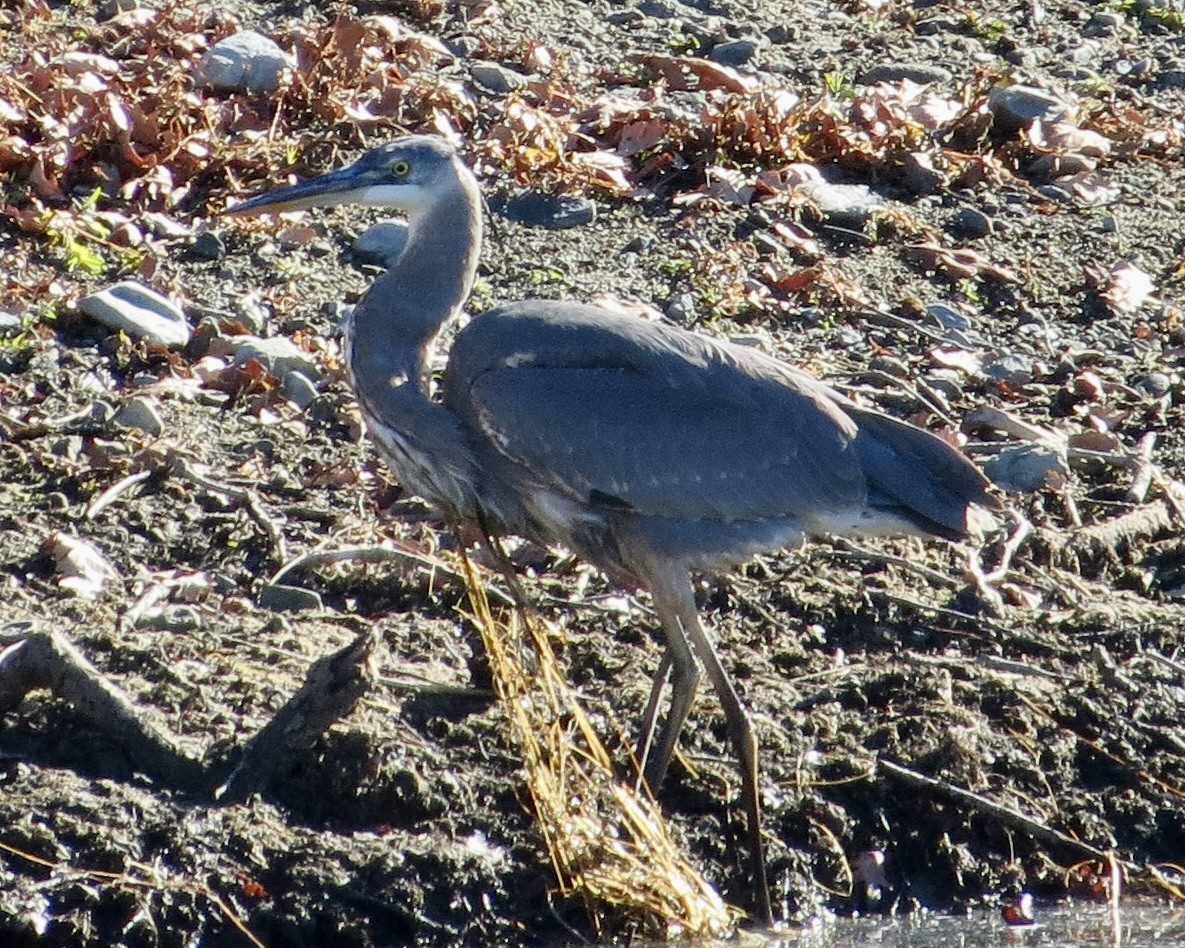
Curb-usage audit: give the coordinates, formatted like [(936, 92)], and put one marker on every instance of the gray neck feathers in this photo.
[(403, 311)]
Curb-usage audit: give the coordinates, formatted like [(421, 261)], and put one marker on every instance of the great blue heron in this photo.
[(651, 451)]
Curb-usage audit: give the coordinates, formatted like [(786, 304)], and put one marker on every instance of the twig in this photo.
[(334, 685), (846, 550), (1143, 469), (112, 493), (990, 809), (376, 554), (247, 499), (151, 880), (48, 660)]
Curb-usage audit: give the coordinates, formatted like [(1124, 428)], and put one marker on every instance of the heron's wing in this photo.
[(627, 414)]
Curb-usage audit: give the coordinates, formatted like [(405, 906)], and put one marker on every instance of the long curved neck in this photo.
[(401, 314), (393, 329)]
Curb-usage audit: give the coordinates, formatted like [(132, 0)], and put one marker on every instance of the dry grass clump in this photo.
[(608, 843)]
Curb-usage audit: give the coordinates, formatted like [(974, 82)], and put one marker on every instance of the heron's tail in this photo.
[(920, 477)]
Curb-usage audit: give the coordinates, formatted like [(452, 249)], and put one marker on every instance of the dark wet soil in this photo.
[(408, 821)]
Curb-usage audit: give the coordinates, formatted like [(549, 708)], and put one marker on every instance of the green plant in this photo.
[(78, 238)]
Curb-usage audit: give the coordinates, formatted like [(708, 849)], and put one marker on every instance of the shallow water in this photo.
[(1063, 926)]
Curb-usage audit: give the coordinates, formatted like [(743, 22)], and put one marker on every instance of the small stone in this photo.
[(681, 307), (1155, 384), (845, 205), (1017, 107), (207, 246), (970, 224), (496, 78), (140, 312), (381, 244), (278, 355), (1024, 467), (919, 173), (1010, 368), (549, 211), (921, 73), (10, 323), (947, 382), (140, 413), (734, 52), (280, 598), (245, 62), (299, 389), (948, 317)]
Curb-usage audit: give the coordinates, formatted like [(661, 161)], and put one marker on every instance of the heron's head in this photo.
[(409, 174)]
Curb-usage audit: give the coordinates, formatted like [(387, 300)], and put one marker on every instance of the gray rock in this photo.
[(1155, 384), (245, 62), (1024, 467), (206, 247), (845, 205), (919, 173), (947, 382), (921, 73), (681, 307), (495, 78), (277, 354), (140, 413), (734, 52), (381, 244), (280, 598), (299, 389), (948, 317), (140, 312), (1009, 367), (970, 223), (1016, 107), (10, 323), (550, 211)]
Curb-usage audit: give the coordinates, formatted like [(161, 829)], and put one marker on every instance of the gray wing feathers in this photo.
[(625, 413)]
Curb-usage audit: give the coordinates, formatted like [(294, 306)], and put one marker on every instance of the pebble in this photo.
[(549, 211), (206, 246), (281, 598), (970, 223), (1024, 467), (299, 389), (140, 312), (244, 62), (277, 354), (948, 317), (680, 307), (1016, 107), (140, 413), (947, 382), (845, 205), (1155, 384), (496, 78), (1010, 368), (921, 73), (381, 244), (734, 52), (10, 323)]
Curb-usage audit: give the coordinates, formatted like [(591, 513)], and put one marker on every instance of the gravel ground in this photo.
[(1016, 287)]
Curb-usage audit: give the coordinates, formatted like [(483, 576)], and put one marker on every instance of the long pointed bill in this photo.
[(347, 185)]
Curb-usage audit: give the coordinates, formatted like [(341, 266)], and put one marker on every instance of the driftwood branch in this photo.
[(334, 685), (48, 660), (991, 810)]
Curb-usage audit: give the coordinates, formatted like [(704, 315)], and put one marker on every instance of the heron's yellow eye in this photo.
[(400, 168)]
